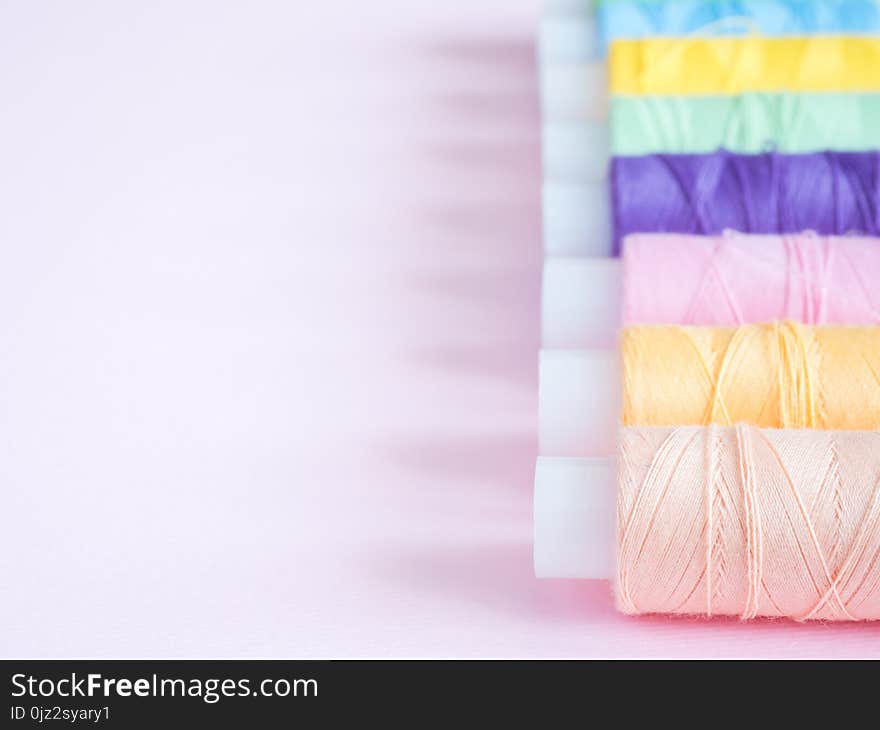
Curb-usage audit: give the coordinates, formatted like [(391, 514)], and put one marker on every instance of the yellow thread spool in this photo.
[(734, 65)]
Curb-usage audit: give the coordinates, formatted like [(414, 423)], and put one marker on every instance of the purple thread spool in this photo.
[(828, 192)]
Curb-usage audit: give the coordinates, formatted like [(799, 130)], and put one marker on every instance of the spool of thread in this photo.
[(734, 279), (745, 123), (569, 31), (735, 65), (576, 147), (831, 193), (573, 86), (777, 375), (642, 18), (734, 520), (573, 76), (740, 521), (773, 375), (727, 280)]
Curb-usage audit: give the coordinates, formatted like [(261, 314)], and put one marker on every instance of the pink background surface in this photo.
[(268, 334)]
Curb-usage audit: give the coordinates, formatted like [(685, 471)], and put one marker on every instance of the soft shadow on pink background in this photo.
[(269, 330)]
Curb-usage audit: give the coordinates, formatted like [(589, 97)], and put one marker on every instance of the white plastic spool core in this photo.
[(575, 151), (574, 91), (580, 302), (577, 218), (581, 7), (574, 518), (567, 35), (578, 402)]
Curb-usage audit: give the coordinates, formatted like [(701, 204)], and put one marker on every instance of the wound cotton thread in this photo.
[(641, 18), (752, 63), (745, 123), (777, 375), (735, 278), (831, 193), (748, 522)]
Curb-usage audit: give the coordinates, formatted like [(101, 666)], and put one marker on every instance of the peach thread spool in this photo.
[(749, 522)]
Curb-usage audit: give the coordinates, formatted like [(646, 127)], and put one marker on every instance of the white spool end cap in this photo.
[(580, 302), (577, 218), (575, 151), (574, 91), (578, 402), (568, 36), (581, 7), (574, 518)]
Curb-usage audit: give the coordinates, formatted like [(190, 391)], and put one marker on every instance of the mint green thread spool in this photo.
[(745, 123)]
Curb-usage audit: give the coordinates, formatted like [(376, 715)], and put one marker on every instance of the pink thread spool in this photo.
[(711, 280), (734, 279)]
